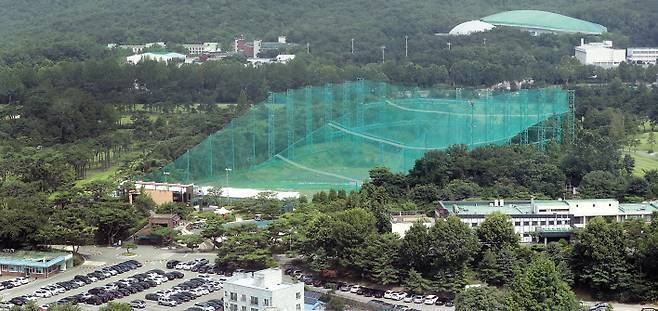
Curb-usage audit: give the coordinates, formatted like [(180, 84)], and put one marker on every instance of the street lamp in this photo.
[(227, 170), (165, 176)]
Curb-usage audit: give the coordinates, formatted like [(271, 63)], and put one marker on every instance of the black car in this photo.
[(94, 300), (177, 274), (180, 298), (82, 278), (172, 264), (193, 309), (152, 296), (124, 291), (96, 290), (158, 271), (19, 301), (170, 276), (148, 283), (378, 294)]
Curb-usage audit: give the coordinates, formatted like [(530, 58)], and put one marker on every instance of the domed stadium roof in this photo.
[(545, 21), (467, 28)]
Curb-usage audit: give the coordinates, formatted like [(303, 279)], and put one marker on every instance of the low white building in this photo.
[(600, 54), (202, 48), (156, 56), (262, 290), (537, 220), (642, 55), (284, 58), (135, 48)]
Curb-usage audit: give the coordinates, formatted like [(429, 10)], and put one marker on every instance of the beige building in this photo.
[(162, 193)]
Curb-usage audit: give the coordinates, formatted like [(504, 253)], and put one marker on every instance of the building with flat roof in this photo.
[(536, 220), (647, 56), (600, 54), (162, 193), (262, 290), (156, 56), (202, 48), (34, 264)]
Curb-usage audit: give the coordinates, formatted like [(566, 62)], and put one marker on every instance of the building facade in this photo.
[(202, 48), (600, 54), (162, 193), (647, 56), (34, 264), (262, 290), (541, 220), (156, 56)]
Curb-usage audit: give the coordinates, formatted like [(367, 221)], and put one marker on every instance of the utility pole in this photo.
[(352, 45), (484, 42), (383, 49), (308, 48), (227, 193), (406, 46), (449, 44)]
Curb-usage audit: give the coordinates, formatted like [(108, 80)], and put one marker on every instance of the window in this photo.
[(543, 223), (243, 297), (254, 309), (234, 296), (234, 307), (551, 222), (526, 223), (254, 301), (475, 224), (243, 308), (298, 307), (534, 223), (266, 302), (517, 223), (298, 295)]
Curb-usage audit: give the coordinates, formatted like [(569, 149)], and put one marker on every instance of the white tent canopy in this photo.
[(467, 28)]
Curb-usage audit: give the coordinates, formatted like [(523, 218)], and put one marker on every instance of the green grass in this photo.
[(98, 175), (644, 163)]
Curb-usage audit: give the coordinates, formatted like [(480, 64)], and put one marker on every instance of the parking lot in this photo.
[(151, 258)]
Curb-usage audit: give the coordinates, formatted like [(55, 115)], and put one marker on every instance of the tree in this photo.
[(416, 283), (214, 229), (164, 234), (499, 267), (112, 220), (651, 140), (541, 288), (598, 261), (335, 304), (191, 241), (483, 298), (497, 232), (115, 306), (378, 257), (245, 247), (128, 246), (414, 246), (68, 227), (600, 185)]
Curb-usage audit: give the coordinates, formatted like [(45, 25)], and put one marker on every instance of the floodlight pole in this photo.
[(383, 49), (449, 44), (352, 40), (227, 170), (406, 46)]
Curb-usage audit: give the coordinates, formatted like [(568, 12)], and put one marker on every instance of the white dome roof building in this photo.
[(467, 28)]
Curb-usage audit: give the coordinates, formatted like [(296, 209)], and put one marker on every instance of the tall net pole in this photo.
[(290, 120), (308, 112), (270, 126)]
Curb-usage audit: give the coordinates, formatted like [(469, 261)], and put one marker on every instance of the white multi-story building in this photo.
[(535, 220), (262, 290), (642, 55), (136, 48), (202, 48), (600, 54), (156, 56)]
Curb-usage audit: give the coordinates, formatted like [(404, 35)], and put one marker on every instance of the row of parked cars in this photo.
[(77, 282), (15, 282), (128, 286), (419, 299), (187, 291), (200, 265)]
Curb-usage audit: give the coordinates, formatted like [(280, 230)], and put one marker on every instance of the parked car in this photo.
[(419, 299), (43, 293), (430, 299), (172, 264), (388, 294), (166, 301), (409, 298), (138, 304)]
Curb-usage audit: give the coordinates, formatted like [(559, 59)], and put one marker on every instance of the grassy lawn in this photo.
[(97, 175), (644, 162)]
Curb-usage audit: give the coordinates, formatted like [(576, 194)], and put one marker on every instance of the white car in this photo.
[(157, 281), (30, 297), (419, 299), (399, 296), (430, 299), (205, 276), (409, 298), (180, 266), (23, 280), (43, 293), (166, 301), (6, 305), (354, 288), (16, 283), (79, 283), (388, 294)]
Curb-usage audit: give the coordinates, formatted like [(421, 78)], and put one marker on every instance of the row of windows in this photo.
[(535, 223), (234, 307), (252, 299)]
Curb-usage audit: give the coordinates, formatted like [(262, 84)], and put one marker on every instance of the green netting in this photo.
[(330, 136)]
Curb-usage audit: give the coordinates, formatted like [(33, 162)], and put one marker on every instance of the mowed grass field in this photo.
[(643, 160)]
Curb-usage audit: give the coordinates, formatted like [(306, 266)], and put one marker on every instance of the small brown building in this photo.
[(145, 236), (162, 193)]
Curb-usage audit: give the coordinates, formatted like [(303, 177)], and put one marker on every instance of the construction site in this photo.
[(330, 136)]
